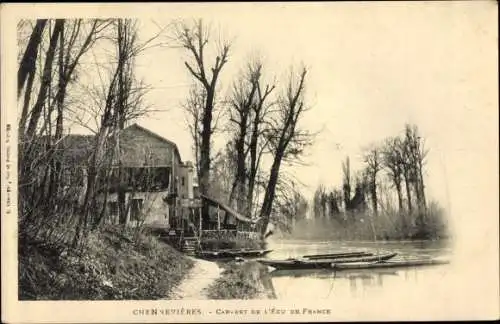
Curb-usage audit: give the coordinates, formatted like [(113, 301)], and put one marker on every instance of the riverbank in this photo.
[(114, 264), (242, 280)]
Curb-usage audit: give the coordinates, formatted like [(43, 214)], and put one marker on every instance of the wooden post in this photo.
[(199, 214), (218, 218)]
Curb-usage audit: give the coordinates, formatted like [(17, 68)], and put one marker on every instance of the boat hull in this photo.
[(387, 264), (337, 255), (322, 263)]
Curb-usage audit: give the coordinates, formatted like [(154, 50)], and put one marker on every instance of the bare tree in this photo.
[(334, 199), (286, 139), (122, 102), (290, 207), (346, 186), (373, 166), (240, 103), (319, 202), (28, 62), (258, 139), (416, 155), (40, 159), (36, 111), (248, 112), (194, 108), (392, 159), (194, 40)]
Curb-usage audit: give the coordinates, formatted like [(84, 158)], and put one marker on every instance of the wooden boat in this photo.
[(323, 263), (386, 264), (328, 273), (232, 254), (337, 255)]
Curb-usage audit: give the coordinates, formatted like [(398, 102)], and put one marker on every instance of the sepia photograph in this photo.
[(250, 161)]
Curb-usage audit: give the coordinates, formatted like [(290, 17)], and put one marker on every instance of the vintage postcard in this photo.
[(248, 162)]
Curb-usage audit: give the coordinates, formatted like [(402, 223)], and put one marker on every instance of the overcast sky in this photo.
[(373, 67)]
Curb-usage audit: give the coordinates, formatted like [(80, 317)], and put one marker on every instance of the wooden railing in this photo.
[(229, 234)]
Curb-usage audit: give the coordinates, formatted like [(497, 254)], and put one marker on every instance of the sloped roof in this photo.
[(229, 210), (137, 127), (75, 149), (72, 149)]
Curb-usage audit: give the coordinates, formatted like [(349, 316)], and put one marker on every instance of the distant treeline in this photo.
[(386, 198)]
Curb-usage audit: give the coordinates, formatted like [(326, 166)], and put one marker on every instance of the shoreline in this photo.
[(195, 284), (242, 280)]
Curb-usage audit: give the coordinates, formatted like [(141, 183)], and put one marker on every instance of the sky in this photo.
[(372, 68)]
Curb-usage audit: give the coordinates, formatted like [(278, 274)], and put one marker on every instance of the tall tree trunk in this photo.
[(252, 174), (408, 192), (55, 175), (239, 182), (26, 103), (46, 78), (27, 65), (397, 184), (421, 187), (206, 135), (90, 190), (267, 205), (373, 188)]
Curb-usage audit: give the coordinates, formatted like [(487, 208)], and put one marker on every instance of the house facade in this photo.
[(154, 184), (147, 183)]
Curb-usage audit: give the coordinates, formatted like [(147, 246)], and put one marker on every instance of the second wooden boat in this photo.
[(388, 264), (338, 255), (323, 263)]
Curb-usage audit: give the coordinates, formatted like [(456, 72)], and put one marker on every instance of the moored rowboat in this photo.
[(388, 264), (323, 263), (338, 255)]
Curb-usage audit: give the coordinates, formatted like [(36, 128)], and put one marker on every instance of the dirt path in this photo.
[(201, 276)]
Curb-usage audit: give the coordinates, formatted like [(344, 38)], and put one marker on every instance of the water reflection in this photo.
[(314, 284)]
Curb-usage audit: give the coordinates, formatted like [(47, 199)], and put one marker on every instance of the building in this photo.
[(148, 183), (155, 182)]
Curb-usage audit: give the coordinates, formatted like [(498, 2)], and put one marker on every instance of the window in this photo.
[(112, 211), (136, 209), (182, 181), (113, 208)]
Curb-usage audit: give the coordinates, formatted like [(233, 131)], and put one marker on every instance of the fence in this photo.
[(229, 234)]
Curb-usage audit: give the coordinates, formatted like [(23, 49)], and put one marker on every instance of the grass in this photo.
[(247, 280), (115, 264)]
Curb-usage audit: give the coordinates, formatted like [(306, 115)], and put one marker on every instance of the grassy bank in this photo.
[(115, 264), (247, 280)]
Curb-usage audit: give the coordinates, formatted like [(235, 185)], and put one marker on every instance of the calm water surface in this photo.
[(314, 284)]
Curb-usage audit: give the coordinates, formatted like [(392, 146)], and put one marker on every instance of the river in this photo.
[(326, 284)]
